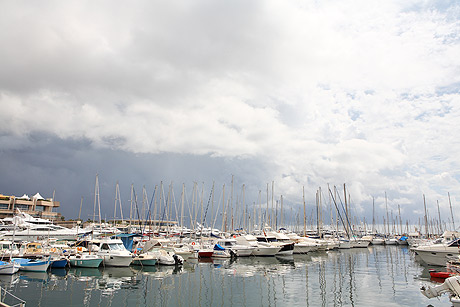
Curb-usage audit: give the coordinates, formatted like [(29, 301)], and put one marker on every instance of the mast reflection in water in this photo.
[(382, 275)]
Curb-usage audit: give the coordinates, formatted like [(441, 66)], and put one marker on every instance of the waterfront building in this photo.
[(36, 206)]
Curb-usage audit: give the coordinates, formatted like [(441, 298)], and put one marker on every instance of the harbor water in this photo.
[(373, 276)]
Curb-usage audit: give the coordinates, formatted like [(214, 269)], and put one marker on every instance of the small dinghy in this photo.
[(8, 268), (32, 265), (444, 275), (85, 260)]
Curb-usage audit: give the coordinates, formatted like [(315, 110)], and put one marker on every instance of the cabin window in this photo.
[(105, 247), (22, 207)]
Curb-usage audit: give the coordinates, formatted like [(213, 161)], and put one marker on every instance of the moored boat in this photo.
[(85, 260), (8, 268), (32, 265)]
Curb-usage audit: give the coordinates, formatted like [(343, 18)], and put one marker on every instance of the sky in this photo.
[(294, 94)]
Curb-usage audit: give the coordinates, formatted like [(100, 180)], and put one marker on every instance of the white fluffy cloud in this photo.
[(362, 92)]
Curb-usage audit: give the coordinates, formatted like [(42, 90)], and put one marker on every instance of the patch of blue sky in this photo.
[(442, 6), (354, 114), (453, 88)]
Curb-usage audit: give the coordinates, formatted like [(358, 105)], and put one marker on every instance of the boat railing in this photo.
[(11, 297)]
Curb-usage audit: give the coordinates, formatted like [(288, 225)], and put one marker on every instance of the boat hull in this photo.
[(145, 261), (265, 251), (9, 268), (117, 260), (85, 263), (62, 263)]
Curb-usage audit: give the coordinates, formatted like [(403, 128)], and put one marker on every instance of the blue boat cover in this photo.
[(21, 261), (217, 247), (127, 239), (403, 238)]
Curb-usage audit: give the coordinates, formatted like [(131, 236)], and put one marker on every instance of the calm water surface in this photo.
[(376, 276)]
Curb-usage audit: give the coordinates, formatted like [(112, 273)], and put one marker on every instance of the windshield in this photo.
[(116, 246)]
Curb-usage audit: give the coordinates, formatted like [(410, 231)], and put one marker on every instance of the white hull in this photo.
[(377, 241), (300, 248), (243, 252), (9, 268), (391, 242), (435, 258), (265, 251), (117, 260), (345, 245)]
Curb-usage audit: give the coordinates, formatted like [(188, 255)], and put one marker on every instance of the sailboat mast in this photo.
[(451, 213), (426, 217), (373, 215), (439, 216), (304, 213)]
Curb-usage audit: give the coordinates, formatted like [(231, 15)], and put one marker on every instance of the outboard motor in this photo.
[(178, 259)]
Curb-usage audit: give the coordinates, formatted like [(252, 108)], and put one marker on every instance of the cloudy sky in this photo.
[(299, 93)]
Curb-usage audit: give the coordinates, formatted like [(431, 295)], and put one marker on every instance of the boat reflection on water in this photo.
[(7, 281), (61, 272), (41, 277), (356, 277), (85, 273)]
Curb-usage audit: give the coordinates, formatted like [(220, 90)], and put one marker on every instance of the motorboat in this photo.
[(221, 252), (32, 265), (451, 286), (114, 253), (239, 249), (9, 268), (301, 245), (438, 253), (286, 246), (58, 261), (260, 248), (85, 260), (147, 258)]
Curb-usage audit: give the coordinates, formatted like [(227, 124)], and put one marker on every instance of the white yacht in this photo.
[(260, 248), (114, 253), (438, 253), (239, 249)]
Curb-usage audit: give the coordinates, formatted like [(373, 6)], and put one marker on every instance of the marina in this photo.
[(383, 275)]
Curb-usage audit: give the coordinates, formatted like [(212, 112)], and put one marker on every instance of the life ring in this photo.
[(53, 250), (79, 249), (193, 243), (234, 236)]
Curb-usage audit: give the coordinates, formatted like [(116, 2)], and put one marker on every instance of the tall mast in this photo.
[(426, 217), (97, 200), (304, 214), (439, 215), (231, 204), (373, 215), (346, 208), (260, 210), (282, 217), (224, 223), (451, 213), (81, 204), (387, 221), (182, 208), (273, 198), (212, 205), (267, 216), (244, 212)]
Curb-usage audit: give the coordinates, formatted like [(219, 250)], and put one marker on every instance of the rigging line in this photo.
[(207, 206), (135, 203), (149, 212), (344, 211), (338, 212)]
